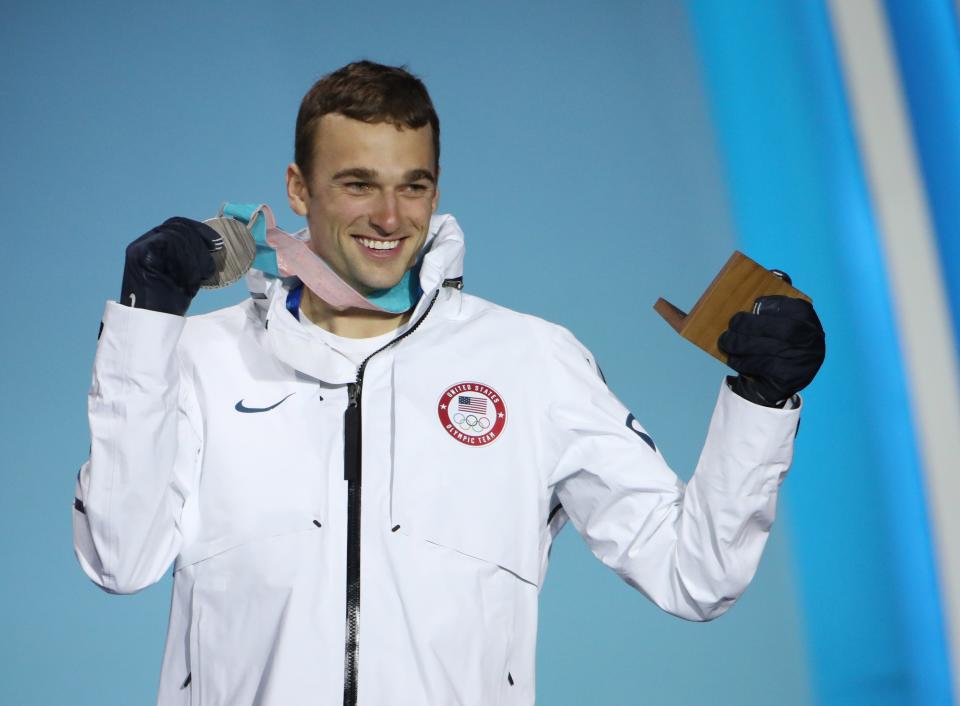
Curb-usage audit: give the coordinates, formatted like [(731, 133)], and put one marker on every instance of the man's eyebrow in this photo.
[(418, 174), (365, 174), (361, 173)]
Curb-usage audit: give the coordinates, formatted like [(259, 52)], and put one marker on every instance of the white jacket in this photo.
[(218, 443)]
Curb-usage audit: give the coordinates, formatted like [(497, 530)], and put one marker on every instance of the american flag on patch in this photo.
[(477, 405)]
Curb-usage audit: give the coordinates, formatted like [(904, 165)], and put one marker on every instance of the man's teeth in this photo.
[(379, 244)]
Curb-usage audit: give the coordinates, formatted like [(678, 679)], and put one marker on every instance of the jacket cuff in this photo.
[(792, 402), (758, 434)]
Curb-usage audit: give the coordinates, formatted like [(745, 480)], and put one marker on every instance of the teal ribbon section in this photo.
[(266, 259), (402, 296)]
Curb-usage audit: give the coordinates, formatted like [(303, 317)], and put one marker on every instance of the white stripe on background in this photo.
[(899, 202)]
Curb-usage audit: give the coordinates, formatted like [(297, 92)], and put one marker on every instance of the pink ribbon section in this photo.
[(295, 258)]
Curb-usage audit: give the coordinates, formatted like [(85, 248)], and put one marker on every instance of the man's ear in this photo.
[(297, 193)]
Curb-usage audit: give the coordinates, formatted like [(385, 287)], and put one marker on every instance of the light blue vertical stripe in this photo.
[(927, 41), (799, 199)]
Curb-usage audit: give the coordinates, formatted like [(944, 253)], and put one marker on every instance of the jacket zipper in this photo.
[(352, 471)]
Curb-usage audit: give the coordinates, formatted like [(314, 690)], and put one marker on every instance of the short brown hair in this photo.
[(365, 91)]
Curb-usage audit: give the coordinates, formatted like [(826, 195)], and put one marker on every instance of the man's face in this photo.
[(369, 200)]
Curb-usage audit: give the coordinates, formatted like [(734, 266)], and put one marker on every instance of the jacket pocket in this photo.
[(249, 531), (246, 592)]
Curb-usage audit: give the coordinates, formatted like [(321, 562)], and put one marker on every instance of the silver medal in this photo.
[(234, 259)]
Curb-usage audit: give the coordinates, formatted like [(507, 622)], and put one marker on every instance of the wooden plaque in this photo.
[(734, 289)]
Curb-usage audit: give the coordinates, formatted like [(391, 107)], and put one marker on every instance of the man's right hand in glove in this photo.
[(164, 267)]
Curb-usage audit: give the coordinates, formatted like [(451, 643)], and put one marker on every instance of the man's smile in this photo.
[(378, 244), (378, 249)]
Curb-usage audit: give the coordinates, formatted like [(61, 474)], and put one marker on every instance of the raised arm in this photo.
[(694, 548), (145, 428)]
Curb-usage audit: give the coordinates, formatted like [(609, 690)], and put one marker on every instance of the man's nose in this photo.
[(385, 217)]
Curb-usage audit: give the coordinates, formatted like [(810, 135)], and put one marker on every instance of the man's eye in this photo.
[(358, 186), (417, 188)]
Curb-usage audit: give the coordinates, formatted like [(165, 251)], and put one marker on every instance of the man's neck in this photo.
[(350, 323)]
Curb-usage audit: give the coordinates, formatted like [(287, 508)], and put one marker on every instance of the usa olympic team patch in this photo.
[(472, 413)]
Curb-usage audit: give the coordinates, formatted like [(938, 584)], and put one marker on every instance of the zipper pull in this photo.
[(351, 435)]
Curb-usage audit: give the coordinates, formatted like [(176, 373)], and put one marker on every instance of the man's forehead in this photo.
[(381, 146)]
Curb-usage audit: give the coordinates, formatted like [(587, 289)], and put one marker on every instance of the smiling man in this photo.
[(359, 499)]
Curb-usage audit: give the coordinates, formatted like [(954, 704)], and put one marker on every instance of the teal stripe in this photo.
[(926, 35), (858, 516)]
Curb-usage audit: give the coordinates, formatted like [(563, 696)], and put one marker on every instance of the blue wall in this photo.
[(579, 157)]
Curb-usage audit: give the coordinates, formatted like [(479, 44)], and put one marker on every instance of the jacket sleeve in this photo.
[(692, 549), (144, 452)]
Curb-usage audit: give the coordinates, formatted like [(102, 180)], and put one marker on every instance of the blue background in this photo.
[(579, 158)]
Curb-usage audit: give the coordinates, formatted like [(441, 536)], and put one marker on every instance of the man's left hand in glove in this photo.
[(777, 349)]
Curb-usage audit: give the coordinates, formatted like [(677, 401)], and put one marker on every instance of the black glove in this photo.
[(777, 349), (164, 267)]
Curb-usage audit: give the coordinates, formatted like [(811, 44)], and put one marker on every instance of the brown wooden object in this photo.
[(734, 289)]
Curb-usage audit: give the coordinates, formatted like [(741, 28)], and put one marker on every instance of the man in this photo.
[(360, 501)]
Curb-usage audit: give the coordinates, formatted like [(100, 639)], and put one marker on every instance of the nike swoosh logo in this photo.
[(240, 407)]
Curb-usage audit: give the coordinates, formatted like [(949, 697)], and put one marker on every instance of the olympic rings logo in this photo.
[(471, 422)]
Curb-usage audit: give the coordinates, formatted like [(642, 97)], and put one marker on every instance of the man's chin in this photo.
[(375, 282), (373, 285)]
